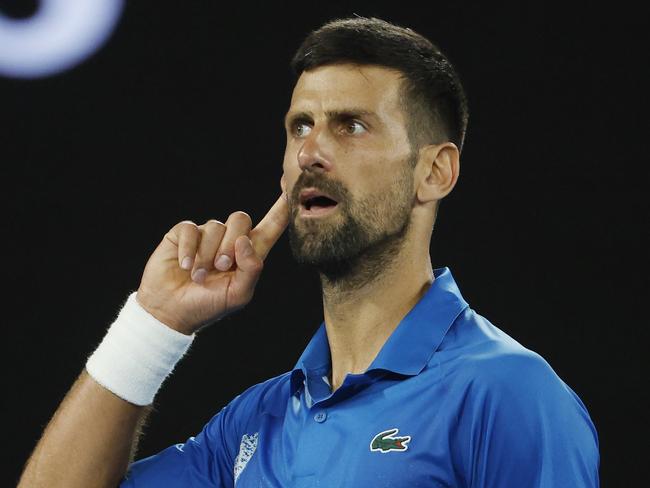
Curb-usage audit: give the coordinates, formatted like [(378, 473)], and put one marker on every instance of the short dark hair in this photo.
[(432, 95)]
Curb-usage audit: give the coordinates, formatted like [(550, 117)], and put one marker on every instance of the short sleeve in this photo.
[(528, 428), (203, 460)]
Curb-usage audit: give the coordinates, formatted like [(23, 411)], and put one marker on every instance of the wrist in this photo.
[(137, 354), (154, 309)]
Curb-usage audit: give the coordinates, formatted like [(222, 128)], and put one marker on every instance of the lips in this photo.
[(314, 202), (312, 197)]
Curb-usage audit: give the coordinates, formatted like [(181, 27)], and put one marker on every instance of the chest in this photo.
[(381, 439)]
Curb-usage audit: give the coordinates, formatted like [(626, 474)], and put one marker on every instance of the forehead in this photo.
[(335, 87)]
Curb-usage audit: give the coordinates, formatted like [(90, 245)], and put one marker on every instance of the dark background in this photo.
[(179, 117)]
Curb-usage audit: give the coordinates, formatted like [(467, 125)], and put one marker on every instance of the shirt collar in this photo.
[(411, 345)]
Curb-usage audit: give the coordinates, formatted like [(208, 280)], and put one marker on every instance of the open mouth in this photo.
[(314, 202)]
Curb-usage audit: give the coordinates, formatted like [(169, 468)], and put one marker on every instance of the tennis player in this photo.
[(403, 384)]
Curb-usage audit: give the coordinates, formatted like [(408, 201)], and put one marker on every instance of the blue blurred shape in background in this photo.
[(60, 35)]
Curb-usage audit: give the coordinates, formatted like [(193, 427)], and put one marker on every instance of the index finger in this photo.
[(270, 228)]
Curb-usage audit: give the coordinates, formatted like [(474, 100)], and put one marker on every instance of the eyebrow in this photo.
[(338, 114)]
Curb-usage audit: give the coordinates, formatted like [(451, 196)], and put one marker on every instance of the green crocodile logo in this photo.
[(385, 442)]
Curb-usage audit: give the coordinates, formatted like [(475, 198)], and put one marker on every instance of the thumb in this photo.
[(248, 267)]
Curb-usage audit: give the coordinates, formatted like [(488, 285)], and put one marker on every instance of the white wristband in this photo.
[(137, 354)]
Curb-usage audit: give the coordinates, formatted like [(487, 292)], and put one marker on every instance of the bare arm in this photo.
[(92, 437), (89, 442)]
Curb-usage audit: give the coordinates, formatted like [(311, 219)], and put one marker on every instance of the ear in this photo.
[(438, 170)]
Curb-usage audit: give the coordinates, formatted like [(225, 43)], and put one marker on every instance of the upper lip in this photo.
[(309, 193)]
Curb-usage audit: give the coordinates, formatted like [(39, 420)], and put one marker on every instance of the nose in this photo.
[(312, 156)]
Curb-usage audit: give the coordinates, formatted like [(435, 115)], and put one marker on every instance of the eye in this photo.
[(353, 128), (301, 129)]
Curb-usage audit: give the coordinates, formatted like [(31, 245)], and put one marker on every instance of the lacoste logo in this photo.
[(385, 442)]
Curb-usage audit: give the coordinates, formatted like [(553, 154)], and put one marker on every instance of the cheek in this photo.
[(290, 159), (290, 172)]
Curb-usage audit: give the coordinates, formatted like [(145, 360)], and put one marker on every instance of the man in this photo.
[(403, 384)]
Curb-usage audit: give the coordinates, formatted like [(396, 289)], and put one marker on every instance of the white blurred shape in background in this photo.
[(60, 35)]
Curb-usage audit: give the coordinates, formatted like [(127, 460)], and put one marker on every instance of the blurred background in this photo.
[(177, 114)]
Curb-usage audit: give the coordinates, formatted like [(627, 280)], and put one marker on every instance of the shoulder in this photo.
[(491, 362), (498, 378), (266, 397), (508, 368), (516, 412), (509, 385)]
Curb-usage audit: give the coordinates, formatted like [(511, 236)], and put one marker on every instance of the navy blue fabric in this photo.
[(453, 400)]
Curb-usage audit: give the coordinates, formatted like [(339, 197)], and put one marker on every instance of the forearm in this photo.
[(92, 436), (89, 442)]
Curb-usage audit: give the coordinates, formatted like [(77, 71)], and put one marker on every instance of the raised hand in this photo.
[(188, 283)]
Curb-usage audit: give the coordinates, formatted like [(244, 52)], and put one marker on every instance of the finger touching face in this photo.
[(267, 232)]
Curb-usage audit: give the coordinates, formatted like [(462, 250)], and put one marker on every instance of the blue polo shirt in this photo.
[(449, 401)]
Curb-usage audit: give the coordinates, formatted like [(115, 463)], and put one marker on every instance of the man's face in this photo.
[(346, 138)]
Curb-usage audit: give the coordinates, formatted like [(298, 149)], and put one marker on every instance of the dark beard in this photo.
[(372, 261), (353, 253)]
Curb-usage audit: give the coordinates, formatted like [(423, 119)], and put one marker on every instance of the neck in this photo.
[(363, 309)]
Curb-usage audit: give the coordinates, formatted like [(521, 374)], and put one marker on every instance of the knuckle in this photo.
[(212, 224), (241, 217), (215, 222), (186, 223), (188, 229), (177, 233)]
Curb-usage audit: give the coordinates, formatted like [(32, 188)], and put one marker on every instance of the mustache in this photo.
[(324, 184)]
